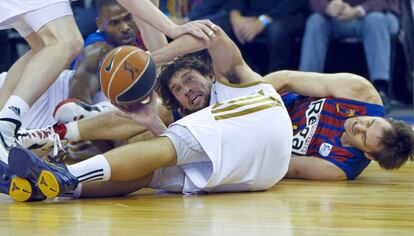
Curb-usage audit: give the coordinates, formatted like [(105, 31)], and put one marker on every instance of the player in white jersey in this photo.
[(50, 30), (236, 137)]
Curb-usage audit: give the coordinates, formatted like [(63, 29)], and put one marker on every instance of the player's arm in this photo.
[(227, 59), (313, 168), (116, 126), (340, 85), (85, 83), (148, 12), (153, 38)]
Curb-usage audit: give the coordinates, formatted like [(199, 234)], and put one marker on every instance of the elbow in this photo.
[(361, 86), (278, 80)]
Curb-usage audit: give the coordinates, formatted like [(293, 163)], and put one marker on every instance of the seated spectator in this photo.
[(275, 22), (373, 21)]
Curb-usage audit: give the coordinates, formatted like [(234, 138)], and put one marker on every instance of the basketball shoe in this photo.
[(42, 141), (8, 129), (73, 109), (53, 179), (19, 189)]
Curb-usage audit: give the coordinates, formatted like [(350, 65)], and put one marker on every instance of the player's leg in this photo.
[(15, 72), (125, 163), (112, 188), (169, 179), (62, 42), (104, 126)]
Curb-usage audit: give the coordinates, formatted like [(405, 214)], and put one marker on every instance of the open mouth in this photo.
[(194, 98), (127, 38)]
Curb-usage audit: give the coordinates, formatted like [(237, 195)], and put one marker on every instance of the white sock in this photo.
[(93, 169), (72, 132), (15, 108)]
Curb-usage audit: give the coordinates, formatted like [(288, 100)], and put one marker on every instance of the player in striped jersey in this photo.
[(339, 126)]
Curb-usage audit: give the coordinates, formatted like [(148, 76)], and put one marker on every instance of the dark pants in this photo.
[(272, 49)]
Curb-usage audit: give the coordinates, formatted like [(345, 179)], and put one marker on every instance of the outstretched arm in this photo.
[(340, 85), (227, 59), (153, 38), (148, 12), (301, 167)]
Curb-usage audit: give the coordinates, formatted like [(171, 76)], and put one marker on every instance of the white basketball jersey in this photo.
[(246, 133)]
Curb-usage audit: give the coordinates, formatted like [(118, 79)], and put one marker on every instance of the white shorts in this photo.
[(29, 16), (189, 152)]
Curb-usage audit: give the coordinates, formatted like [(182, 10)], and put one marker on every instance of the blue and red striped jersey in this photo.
[(318, 124)]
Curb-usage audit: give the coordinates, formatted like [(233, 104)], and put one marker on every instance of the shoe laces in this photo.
[(57, 144), (27, 138)]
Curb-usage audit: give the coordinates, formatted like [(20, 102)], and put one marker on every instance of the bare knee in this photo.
[(72, 46), (68, 45)]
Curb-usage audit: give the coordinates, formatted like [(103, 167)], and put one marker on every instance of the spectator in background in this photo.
[(373, 21), (277, 22)]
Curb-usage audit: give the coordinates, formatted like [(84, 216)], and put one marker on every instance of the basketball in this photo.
[(127, 75)]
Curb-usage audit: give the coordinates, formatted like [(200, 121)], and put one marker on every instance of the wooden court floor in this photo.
[(377, 203)]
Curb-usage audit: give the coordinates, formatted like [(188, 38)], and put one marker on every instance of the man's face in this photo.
[(365, 132), (191, 89), (117, 24)]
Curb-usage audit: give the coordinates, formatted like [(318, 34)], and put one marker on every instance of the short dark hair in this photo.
[(200, 61), (103, 3), (398, 146)]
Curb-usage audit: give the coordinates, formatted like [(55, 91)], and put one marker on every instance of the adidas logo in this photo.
[(16, 110)]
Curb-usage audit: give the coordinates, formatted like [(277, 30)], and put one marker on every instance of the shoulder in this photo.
[(95, 37), (93, 53)]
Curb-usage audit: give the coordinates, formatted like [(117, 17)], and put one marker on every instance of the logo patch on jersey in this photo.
[(348, 112), (325, 149), (302, 139)]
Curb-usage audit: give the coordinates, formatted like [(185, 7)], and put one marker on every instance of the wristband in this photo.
[(264, 20)]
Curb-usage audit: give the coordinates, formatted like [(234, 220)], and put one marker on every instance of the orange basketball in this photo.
[(127, 75)]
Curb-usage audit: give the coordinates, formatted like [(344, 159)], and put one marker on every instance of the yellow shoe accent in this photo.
[(20, 189), (48, 184)]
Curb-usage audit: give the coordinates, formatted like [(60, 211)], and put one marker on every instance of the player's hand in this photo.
[(204, 29), (143, 114)]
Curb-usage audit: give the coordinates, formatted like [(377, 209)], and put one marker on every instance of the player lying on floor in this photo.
[(209, 150), (338, 127)]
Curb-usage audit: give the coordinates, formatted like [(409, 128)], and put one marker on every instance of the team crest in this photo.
[(325, 149)]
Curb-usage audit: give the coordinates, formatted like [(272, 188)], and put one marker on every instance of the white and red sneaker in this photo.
[(74, 109), (42, 141)]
